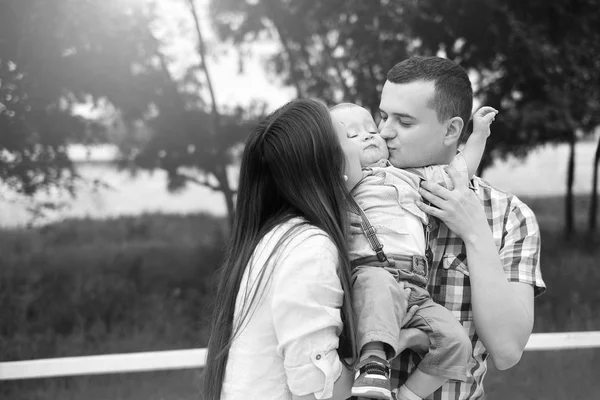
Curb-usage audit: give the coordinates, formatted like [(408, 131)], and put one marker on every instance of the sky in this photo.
[(234, 88), (231, 87)]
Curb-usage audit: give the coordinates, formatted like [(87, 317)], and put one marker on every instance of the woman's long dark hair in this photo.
[(292, 166)]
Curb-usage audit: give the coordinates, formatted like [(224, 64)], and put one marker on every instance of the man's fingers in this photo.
[(434, 212), (436, 189), (432, 198)]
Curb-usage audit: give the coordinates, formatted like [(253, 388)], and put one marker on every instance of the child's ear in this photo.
[(454, 127)]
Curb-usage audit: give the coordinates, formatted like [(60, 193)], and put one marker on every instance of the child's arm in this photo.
[(473, 150)]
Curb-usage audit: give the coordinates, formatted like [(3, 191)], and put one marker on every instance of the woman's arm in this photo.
[(341, 388), (306, 308)]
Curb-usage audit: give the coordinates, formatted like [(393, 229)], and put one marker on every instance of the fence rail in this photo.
[(196, 358)]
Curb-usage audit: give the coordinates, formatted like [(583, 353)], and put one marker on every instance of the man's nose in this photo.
[(387, 132)]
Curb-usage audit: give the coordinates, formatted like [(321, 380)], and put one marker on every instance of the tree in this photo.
[(189, 137), (55, 55), (535, 61), (593, 213)]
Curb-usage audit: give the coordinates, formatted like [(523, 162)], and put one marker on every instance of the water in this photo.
[(542, 173)]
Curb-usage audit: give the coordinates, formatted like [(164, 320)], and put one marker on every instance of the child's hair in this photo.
[(343, 106)]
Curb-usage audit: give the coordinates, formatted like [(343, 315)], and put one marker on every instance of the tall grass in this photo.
[(85, 287)]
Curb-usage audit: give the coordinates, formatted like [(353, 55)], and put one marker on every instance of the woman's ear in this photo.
[(453, 129)]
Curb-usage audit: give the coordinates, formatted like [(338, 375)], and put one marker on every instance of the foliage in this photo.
[(535, 61), (55, 56), (84, 287)]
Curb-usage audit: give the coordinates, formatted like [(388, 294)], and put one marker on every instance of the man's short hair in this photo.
[(453, 92)]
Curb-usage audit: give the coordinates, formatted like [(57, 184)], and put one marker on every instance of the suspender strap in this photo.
[(369, 231), (428, 252), (415, 264)]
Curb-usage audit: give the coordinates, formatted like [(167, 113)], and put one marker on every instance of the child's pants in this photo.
[(377, 300)]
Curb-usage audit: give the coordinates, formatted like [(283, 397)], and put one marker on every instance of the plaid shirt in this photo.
[(516, 234)]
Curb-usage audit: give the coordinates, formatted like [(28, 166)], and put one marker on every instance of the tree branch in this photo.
[(202, 52), (290, 56), (272, 10), (204, 182), (201, 182), (171, 83)]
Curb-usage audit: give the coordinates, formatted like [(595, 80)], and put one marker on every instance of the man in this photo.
[(485, 267)]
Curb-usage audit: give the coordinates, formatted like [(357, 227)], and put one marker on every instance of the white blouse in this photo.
[(288, 344)]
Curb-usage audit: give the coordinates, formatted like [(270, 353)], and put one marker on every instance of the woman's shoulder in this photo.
[(299, 230), (298, 235)]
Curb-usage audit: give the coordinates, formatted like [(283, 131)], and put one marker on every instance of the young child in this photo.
[(386, 203)]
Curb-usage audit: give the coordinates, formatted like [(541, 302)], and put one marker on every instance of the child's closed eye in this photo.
[(351, 135)]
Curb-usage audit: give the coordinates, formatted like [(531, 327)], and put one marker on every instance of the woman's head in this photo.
[(295, 160), (293, 165)]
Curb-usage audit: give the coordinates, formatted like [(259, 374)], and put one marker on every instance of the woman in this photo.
[(283, 302)]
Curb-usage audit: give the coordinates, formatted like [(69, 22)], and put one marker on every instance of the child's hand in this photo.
[(482, 119)]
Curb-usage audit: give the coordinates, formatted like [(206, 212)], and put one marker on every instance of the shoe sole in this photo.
[(372, 393)]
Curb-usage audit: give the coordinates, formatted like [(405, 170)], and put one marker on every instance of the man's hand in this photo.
[(459, 208)]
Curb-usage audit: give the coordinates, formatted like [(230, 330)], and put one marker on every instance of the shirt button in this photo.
[(318, 356)]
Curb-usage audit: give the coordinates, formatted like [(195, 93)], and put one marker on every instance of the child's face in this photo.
[(353, 169), (362, 131)]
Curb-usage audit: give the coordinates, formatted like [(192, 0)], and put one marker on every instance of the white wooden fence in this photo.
[(196, 358)]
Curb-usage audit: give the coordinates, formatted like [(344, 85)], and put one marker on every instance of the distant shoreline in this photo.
[(541, 174)]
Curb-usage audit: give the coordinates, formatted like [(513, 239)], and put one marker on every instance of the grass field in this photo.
[(86, 287)]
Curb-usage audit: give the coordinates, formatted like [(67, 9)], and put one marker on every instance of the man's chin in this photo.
[(398, 163)]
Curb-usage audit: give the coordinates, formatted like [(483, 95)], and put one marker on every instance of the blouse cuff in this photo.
[(316, 378)]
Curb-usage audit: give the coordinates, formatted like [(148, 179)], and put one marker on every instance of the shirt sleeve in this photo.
[(520, 252), (306, 308), (438, 174)]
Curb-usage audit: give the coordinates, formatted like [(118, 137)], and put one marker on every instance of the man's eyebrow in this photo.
[(400, 115)]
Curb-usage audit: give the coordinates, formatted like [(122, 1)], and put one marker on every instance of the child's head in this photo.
[(362, 130)]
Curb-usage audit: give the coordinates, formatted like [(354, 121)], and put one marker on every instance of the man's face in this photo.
[(362, 130), (414, 136)]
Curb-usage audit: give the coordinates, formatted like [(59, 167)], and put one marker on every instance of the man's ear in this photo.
[(454, 127)]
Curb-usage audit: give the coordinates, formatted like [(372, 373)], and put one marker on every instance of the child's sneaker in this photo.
[(372, 379)]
